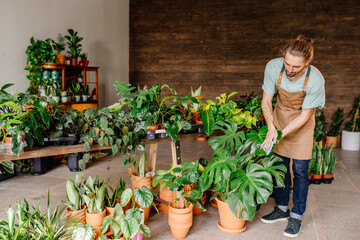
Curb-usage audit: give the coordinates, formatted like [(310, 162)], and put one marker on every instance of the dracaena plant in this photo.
[(241, 173), (74, 192)]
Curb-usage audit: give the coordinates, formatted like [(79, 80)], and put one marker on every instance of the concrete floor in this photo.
[(332, 210)]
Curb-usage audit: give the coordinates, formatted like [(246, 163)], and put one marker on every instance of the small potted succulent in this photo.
[(76, 89), (55, 89), (85, 93)]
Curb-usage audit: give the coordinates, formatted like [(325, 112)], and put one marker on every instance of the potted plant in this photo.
[(131, 224), (75, 90), (328, 165), (82, 232), (318, 165), (180, 180), (59, 46), (116, 197), (55, 89), (94, 198), (337, 119), (239, 166), (73, 42), (75, 210), (351, 135), (84, 60), (85, 92)]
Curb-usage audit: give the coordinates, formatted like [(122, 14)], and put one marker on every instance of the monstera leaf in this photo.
[(249, 188), (278, 171), (254, 140), (230, 140)]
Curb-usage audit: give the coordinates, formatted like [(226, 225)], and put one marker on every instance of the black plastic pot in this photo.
[(5, 175), (327, 180), (39, 165), (73, 162), (150, 135)]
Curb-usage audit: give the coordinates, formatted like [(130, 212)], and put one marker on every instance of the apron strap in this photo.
[(306, 78), (281, 74)]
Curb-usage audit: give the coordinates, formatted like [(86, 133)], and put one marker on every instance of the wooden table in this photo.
[(61, 150)]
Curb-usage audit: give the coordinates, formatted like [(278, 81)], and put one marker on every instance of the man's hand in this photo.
[(271, 136)]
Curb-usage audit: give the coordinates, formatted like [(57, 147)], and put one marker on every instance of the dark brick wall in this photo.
[(224, 45)]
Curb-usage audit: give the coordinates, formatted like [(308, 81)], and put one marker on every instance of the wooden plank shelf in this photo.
[(60, 150)]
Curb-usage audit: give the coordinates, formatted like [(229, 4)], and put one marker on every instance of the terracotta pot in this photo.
[(73, 61), (137, 181), (85, 62), (331, 140), (197, 210), (110, 211), (153, 128), (95, 219), (198, 122), (166, 195), (180, 220), (228, 221), (76, 215), (201, 139), (8, 140), (310, 176), (316, 179), (181, 203), (327, 176), (317, 176), (60, 58)]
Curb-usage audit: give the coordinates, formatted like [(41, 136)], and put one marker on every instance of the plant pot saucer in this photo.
[(230, 230)]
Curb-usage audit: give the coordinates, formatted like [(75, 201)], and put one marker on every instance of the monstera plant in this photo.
[(240, 171)]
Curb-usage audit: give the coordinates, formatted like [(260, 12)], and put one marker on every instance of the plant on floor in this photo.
[(329, 160), (125, 225), (74, 192), (336, 120), (318, 165), (94, 196), (354, 124), (181, 179), (116, 193), (240, 171), (82, 232), (73, 43), (51, 225)]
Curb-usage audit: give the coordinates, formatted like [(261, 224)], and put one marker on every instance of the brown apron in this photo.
[(299, 144)]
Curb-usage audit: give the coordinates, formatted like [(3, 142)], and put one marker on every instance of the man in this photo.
[(299, 91)]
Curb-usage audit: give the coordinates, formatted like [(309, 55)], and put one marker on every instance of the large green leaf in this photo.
[(278, 171), (82, 233), (251, 187), (143, 197), (129, 227), (134, 213), (230, 140), (144, 230), (125, 197), (208, 121)]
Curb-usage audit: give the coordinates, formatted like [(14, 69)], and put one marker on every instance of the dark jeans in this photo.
[(300, 185)]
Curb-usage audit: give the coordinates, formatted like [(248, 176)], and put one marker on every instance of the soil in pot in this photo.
[(180, 220), (228, 221)]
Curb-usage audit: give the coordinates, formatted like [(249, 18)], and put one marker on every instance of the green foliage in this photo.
[(59, 45), (319, 130), (73, 43), (323, 159), (82, 232), (354, 124), (94, 196), (117, 192), (74, 192), (86, 89), (337, 118), (75, 87), (329, 160)]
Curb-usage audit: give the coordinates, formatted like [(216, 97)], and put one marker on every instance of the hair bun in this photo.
[(305, 39)]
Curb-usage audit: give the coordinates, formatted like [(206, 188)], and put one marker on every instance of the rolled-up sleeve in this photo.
[(315, 96)]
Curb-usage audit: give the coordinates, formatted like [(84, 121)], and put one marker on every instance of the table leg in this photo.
[(175, 151), (152, 157)]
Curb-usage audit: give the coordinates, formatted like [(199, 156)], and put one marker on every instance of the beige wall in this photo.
[(103, 24)]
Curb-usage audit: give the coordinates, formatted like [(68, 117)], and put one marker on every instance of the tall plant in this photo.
[(354, 124), (337, 118), (73, 42)]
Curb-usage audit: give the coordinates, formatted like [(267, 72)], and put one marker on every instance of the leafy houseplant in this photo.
[(84, 60), (337, 119), (73, 42), (319, 130), (76, 89), (59, 46)]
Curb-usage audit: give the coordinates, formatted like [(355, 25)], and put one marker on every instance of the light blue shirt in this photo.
[(315, 88)]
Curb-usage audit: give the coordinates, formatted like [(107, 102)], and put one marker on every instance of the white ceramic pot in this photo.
[(77, 98), (84, 97), (350, 140)]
